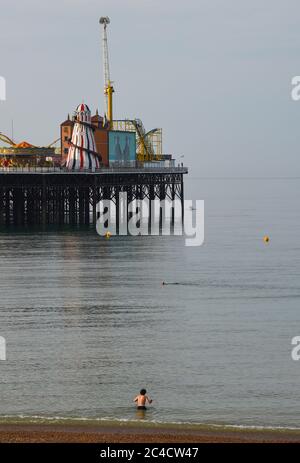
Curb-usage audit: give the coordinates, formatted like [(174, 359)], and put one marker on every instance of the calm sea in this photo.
[(88, 323)]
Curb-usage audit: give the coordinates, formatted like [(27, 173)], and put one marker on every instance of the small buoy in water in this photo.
[(163, 283), (107, 234), (266, 239)]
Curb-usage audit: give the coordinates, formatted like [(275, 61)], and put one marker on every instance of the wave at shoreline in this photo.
[(143, 423)]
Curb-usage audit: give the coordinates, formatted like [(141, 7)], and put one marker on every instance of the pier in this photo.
[(44, 196)]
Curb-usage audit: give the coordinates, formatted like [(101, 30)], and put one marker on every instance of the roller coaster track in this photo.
[(6, 139)]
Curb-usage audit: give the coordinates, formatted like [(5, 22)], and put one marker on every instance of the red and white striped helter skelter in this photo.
[(82, 153)]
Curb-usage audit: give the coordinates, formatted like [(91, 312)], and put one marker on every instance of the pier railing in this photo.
[(103, 170)]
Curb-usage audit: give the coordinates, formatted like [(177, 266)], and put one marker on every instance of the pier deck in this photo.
[(32, 196)]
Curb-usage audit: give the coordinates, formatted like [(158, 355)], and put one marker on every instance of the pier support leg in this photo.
[(29, 206), (117, 197), (18, 206), (87, 206), (173, 206), (81, 206), (151, 217), (44, 203), (95, 198), (7, 206), (129, 201), (1, 206), (182, 199), (61, 206), (162, 196), (72, 199)]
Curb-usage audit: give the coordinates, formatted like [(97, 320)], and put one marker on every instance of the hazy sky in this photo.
[(214, 74)]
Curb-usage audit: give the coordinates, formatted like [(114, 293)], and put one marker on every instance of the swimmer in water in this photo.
[(142, 399)]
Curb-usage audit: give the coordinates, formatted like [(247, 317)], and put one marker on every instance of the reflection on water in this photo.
[(140, 414), (88, 321)]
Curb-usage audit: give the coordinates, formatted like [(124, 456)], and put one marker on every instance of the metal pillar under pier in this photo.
[(59, 197)]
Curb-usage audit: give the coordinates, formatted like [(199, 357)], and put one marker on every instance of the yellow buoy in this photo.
[(266, 239), (107, 234)]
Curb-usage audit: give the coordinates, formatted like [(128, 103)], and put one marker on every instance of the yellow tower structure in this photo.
[(108, 88)]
